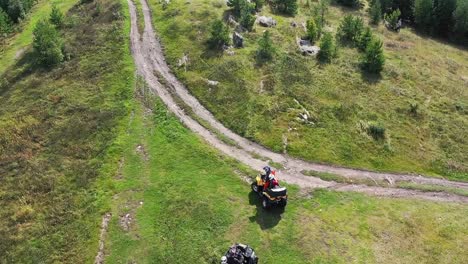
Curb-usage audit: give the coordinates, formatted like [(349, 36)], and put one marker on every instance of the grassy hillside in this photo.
[(178, 200), (263, 102), (13, 47), (56, 129)]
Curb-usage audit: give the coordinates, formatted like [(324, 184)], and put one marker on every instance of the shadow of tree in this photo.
[(370, 78), (266, 219)]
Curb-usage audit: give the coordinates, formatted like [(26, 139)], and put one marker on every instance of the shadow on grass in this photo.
[(370, 78), (24, 67), (211, 52), (266, 219)]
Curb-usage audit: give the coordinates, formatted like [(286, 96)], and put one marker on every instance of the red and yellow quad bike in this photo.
[(277, 196)]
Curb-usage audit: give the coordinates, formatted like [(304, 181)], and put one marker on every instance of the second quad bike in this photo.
[(240, 254), (276, 196)]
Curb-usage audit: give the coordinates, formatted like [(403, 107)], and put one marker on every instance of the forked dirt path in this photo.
[(150, 62)]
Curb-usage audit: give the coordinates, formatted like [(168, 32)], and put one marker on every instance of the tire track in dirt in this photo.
[(150, 62)]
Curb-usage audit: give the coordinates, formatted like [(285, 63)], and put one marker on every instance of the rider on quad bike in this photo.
[(239, 254), (269, 190), (271, 182)]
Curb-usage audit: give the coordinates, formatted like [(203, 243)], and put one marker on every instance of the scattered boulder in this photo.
[(212, 83), (266, 21), (183, 61), (309, 50), (238, 40), (306, 47), (230, 52), (232, 21), (305, 42), (240, 29)]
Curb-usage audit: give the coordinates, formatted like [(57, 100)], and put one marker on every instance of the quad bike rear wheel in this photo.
[(283, 202), (254, 187)]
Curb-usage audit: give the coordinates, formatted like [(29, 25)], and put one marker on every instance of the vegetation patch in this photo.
[(258, 100), (58, 132)]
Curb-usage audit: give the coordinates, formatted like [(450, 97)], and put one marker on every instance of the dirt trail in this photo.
[(150, 62)]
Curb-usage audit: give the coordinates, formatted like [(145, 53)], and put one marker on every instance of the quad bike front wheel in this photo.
[(254, 187)]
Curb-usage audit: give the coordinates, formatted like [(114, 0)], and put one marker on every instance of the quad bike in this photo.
[(240, 254), (276, 196)]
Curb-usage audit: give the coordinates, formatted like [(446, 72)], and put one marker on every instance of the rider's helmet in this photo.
[(223, 260), (267, 169)]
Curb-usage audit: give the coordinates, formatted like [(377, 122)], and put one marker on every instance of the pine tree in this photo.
[(266, 50), (289, 7), (393, 19), (423, 14), (47, 44), (312, 31), (373, 59), (443, 16), (247, 19), (219, 34), (327, 48), (5, 22), (350, 29), (376, 12), (461, 20), (259, 4), (56, 16), (365, 39), (235, 4)]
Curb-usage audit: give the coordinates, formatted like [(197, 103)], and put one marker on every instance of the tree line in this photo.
[(12, 11), (443, 18)]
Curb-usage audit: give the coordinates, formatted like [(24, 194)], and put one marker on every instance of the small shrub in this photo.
[(373, 59), (312, 30), (376, 12), (350, 29), (377, 131), (393, 19), (414, 109), (327, 48), (56, 16), (266, 50), (47, 44), (219, 34)]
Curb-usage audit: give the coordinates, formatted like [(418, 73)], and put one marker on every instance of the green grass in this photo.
[(341, 99), (186, 202), (59, 140), (431, 188), (22, 40)]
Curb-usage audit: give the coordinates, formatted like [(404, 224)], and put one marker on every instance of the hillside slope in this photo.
[(56, 128), (263, 103)]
